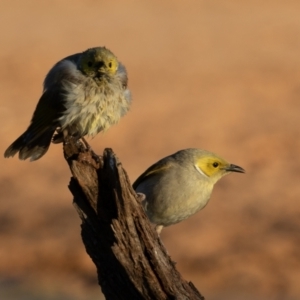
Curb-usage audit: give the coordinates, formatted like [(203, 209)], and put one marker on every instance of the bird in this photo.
[(179, 185), (83, 94)]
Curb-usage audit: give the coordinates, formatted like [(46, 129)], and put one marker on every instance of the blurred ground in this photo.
[(218, 75)]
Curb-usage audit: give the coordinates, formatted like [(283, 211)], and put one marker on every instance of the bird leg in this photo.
[(158, 229)]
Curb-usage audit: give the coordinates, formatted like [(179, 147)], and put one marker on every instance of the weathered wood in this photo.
[(131, 261)]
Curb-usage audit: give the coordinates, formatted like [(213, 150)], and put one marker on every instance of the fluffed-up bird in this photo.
[(180, 185), (83, 94)]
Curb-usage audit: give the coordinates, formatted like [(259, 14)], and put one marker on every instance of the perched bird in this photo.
[(83, 94), (180, 185)]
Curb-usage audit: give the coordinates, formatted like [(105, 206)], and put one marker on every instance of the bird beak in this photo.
[(100, 67), (234, 168)]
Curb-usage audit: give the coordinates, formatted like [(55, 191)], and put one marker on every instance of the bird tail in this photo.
[(30, 147)]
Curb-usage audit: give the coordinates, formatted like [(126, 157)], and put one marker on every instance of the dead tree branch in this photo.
[(131, 261)]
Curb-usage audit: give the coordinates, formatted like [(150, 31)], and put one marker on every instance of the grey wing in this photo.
[(157, 168), (122, 75), (61, 70)]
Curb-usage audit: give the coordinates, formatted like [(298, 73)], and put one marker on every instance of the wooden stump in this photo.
[(131, 261)]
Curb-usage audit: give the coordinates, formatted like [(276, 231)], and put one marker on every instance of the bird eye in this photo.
[(215, 164), (110, 64), (89, 63)]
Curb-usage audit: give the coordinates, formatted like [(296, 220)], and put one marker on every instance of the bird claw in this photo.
[(141, 197)]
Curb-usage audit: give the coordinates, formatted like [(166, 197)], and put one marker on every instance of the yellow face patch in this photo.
[(211, 166)]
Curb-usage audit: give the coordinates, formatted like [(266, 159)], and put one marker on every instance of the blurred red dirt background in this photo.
[(218, 75)]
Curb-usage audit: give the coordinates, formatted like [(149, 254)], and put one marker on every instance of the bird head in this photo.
[(213, 166), (99, 61)]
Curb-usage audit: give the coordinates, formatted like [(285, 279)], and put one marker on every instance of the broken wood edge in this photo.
[(131, 261)]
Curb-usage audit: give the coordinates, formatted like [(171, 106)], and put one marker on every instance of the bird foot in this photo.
[(141, 197)]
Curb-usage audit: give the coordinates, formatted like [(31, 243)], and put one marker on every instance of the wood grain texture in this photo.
[(131, 261)]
